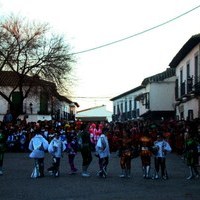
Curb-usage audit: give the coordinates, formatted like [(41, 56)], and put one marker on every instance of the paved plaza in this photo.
[(16, 183)]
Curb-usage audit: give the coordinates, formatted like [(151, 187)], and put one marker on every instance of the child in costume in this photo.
[(72, 148), (85, 146), (145, 144), (56, 147), (125, 153), (191, 152), (103, 151), (38, 145), (160, 157)]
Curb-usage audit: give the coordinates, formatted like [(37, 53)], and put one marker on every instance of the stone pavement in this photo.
[(16, 183)]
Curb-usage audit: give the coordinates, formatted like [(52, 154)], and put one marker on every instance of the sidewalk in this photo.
[(16, 183)]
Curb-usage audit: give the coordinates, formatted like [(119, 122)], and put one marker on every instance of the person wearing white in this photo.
[(103, 152), (56, 147), (160, 157), (38, 145)]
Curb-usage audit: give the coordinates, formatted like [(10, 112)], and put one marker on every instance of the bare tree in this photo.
[(28, 49)]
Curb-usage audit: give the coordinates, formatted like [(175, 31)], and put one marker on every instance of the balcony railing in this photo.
[(192, 84), (196, 86), (183, 89)]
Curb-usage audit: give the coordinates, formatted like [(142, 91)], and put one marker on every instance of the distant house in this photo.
[(98, 113), (158, 99), (125, 106), (187, 89), (42, 103), (154, 99)]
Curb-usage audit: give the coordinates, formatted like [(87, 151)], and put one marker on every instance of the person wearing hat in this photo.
[(160, 156), (38, 145)]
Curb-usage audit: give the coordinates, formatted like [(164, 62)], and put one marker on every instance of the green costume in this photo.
[(191, 151)]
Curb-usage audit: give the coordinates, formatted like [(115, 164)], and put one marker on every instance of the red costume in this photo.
[(125, 150), (145, 144)]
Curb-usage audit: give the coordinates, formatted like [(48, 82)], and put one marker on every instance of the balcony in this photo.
[(196, 87), (188, 89), (183, 89)]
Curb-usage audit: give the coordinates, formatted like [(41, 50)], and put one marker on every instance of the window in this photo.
[(190, 115), (17, 101), (121, 108), (181, 76), (188, 69), (182, 84), (43, 103), (130, 105), (135, 104), (196, 69), (118, 110), (125, 106)]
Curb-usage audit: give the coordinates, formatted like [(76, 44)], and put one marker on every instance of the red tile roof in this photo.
[(10, 78)]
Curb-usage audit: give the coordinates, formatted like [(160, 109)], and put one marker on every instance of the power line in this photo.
[(91, 97), (136, 34)]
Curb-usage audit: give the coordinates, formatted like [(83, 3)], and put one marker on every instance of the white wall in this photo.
[(193, 103), (182, 65), (189, 105), (127, 98), (162, 95), (3, 103), (35, 104)]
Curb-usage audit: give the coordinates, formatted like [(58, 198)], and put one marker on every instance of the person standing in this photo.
[(103, 152), (125, 154), (163, 148), (2, 149), (145, 144), (55, 148), (191, 152), (38, 145), (72, 148), (85, 149)]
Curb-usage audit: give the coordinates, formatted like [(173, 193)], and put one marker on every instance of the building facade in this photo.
[(43, 102), (154, 98), (125, 106), (187, 89)]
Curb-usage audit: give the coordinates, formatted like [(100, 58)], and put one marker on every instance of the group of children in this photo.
[(86, 141), (72, 142), (102, 138), (58, 143)]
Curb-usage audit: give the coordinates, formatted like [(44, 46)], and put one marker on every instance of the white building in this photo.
[(125, 106), (42, 103), (187, 91), (157, 101), (153, 99), (98, 113)]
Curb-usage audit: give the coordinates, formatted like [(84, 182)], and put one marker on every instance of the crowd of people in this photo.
[(128, 140)]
